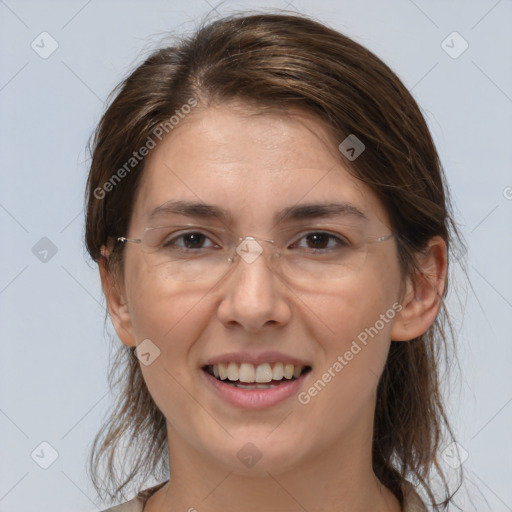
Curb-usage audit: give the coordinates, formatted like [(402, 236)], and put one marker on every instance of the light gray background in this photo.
[(54, 346)]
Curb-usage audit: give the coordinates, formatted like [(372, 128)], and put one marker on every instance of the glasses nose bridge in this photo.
[(250, 248)]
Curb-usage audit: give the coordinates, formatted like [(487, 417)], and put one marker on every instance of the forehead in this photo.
[(250, 164)]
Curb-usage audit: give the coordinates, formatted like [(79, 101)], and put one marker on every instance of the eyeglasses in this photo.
[(302, 255)]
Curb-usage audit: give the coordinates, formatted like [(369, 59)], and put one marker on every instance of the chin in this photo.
[(257, 456)]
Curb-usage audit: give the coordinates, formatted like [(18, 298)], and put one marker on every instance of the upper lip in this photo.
[(256, 359)]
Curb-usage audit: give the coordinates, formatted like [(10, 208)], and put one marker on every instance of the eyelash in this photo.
[(339, 240)]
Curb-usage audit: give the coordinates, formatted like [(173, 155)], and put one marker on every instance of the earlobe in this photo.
[(113, 290), (423, 293)]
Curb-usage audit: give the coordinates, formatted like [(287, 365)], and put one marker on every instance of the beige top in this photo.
[(412, 502)]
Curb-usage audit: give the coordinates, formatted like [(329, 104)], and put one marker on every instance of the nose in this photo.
[(254, 296)]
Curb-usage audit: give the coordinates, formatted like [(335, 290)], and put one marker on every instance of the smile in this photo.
[(253, 387)]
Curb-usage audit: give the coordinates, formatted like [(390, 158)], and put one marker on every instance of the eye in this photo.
[(321, 241), (188, 241)]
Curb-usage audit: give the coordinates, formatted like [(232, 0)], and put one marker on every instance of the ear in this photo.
[(423, 292), (113, 288)]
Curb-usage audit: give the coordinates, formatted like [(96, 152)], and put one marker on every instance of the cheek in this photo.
[(342, 390), (357, 304), (359, 318), (360, 330), (171, 316), (157, 305)]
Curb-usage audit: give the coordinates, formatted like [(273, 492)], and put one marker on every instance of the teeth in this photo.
[(263, 373), (223, 371), (254, 386), (232, 371), (278, 371), (248, 373)]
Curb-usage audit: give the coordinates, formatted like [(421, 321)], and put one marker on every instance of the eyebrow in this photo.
[(191, 209), (319, 210), (290, 213)]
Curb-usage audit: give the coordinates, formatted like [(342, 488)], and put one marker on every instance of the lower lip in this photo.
[(255, 398)]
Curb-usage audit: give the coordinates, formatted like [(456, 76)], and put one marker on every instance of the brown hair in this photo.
[(290, 62)]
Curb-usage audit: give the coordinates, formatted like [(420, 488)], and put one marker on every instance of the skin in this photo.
[(315, 457)]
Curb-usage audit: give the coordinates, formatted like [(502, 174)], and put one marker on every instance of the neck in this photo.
[(340, 479)]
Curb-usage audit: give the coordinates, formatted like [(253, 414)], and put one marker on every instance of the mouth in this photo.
[(249, 376), (255, 387)]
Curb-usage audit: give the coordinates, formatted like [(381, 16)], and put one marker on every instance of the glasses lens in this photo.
[(304, 258), (319, 256), (186, 253)]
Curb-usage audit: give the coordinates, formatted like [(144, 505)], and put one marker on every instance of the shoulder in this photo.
[(136, 504), (412, 501)]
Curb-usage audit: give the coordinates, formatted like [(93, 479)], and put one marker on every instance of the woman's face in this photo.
[(254, 166)]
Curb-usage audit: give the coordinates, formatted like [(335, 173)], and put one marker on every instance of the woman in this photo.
[(272, 229)]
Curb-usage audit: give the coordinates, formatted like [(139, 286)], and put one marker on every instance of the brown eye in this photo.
[(192, 240), (321, 241), (318, 240)]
